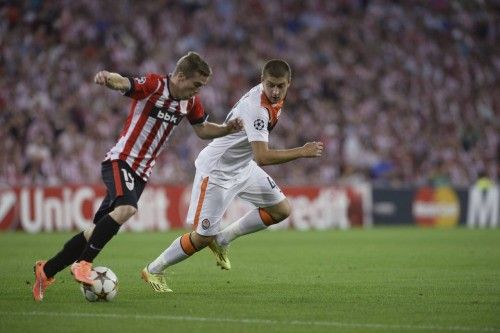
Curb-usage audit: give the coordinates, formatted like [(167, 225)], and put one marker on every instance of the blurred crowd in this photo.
[(402, 93)]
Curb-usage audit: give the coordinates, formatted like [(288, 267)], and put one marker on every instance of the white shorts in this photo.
[(210, 201)]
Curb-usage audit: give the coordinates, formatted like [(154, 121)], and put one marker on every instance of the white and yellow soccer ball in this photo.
[(105, 285)]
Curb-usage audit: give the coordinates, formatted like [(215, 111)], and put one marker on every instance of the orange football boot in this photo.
[(81, 272), (41, 281)]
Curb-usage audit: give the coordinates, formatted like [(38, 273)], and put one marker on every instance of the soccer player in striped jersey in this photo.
[(230, 167), (159, 103)]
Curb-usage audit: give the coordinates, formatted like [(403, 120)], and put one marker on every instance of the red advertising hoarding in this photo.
[(63, 208)]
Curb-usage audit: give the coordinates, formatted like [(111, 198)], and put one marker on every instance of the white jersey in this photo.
[(227, 159)]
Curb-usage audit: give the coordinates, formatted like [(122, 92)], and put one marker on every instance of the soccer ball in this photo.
[(105, 285)]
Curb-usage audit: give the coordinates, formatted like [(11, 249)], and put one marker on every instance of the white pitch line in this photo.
[(255, 321)]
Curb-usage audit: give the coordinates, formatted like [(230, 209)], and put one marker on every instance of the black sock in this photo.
[(104, 230), (69, 253)]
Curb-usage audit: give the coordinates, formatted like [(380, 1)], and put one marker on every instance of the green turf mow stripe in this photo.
[(256, 321)]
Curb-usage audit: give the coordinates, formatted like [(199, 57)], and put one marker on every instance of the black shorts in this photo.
[(123, 185)]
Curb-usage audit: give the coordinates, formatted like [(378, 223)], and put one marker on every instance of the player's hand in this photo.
[(234, 125), (102, 77), (312, 149)]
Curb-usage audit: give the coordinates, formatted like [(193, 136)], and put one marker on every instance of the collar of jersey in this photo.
[(168, 87)]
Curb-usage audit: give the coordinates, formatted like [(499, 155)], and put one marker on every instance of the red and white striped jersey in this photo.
[(152, 118)]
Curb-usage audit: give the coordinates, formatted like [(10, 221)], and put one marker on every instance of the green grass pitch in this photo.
[(378, 280)]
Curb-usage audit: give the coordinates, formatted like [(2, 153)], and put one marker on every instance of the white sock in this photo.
[(172, 255), (249, 223)]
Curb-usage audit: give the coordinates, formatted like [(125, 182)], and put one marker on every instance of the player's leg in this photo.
[(208, 203), (255, 220), (125, 189), (74, 246), (273, 207), (46, 270), (180, 249)]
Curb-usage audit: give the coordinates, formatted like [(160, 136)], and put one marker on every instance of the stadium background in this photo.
[(405, 96)]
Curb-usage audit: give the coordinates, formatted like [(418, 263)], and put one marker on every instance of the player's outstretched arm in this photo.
[(208, 130), (112, 80), (265, 156)]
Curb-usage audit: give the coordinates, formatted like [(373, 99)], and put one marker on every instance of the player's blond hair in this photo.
[(192, 63), (277, 68)]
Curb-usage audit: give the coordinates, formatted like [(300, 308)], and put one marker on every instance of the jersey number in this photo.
[(129, 180)]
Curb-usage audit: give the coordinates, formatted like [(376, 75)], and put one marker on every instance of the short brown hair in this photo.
[(277, 68), (192, 63)]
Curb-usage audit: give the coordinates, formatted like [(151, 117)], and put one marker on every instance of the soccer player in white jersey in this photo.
[(230, 167), (159, 103)]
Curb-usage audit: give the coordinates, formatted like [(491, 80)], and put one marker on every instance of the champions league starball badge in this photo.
[(258, 124)]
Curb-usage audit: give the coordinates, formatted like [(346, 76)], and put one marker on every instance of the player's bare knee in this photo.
[(200, 241), (280, 216), (281, 211), (88, 232), (122, 213)]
